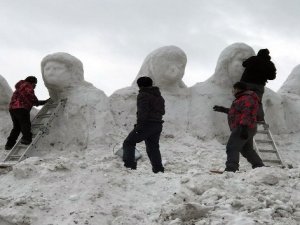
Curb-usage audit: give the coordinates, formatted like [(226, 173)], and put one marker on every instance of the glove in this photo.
[(244, 132), (43, 102), (222, 109)]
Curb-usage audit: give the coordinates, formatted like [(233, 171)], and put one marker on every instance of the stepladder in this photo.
[(266, 147), (39, 128)]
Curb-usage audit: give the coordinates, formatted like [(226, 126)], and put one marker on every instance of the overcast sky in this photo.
[(113, 37)]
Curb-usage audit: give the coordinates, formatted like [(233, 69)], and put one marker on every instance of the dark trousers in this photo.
[(150, 133), (21, 123), (237, 145)]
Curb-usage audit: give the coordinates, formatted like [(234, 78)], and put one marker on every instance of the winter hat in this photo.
[(144, 82), (264, 53), (31, 79), (240, 86)]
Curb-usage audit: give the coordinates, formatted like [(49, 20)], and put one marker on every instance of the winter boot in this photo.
[(158, 169), (131, 165), (25, 142)]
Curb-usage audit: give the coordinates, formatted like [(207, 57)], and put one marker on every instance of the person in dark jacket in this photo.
[(258, 70), (150, 110), (22, 100), (242, 123)]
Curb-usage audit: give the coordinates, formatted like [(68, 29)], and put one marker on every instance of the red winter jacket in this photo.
[(243, 110), (23, 97)]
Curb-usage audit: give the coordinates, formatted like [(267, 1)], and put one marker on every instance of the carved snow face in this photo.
[(169, 70), (235, 67), (57, 74)]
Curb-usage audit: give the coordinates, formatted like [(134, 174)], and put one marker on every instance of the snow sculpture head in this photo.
[(61, 72), (5, 93), (165, 66), (291, 85), (229, 67)]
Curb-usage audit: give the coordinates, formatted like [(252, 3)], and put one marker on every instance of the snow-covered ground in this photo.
[(92, 187)]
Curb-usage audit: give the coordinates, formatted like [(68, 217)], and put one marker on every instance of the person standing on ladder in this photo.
[(22, 100), (258, 70)]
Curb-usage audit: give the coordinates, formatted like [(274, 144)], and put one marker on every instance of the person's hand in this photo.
[(244, 132), (222, 109)]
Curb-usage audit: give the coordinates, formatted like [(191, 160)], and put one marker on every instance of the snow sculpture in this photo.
[(291, 85), (203, 121), (290, 92), (165, 66), (5, 95), (86, 117)]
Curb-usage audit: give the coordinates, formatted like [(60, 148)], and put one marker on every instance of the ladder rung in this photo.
[(267, 151), (271, 160), (264, 141), (52, 106), (37, 125), (262, 132), (15, 156), (44, 115)]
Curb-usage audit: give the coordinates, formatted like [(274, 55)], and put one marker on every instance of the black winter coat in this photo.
[(150, 105), (258, 70)]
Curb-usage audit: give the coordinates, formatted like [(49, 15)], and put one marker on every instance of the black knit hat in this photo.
[(31, 79), (240, 86), (264, 53), (144, 82)]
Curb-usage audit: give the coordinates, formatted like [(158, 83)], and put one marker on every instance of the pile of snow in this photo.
[(92, 187), (77, 179)]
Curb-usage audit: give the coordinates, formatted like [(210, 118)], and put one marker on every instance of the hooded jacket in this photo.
[(23, 97), (243, 110), (150, 105), (259, 69)]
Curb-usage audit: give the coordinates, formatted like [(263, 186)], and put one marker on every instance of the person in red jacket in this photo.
[(242, 119), (22, 100)]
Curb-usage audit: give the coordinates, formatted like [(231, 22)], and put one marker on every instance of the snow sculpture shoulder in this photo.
[(86, 117), (290, 93), (203, 122), (165, 66), (5, 93), (292, 83), (5, 121)]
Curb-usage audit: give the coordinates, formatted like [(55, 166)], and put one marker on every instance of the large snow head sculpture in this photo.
[(61, 73), (291, 85), (5, 93), (166, 67), (229, 67)]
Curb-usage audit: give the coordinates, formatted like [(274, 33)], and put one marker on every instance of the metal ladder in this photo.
[(265, 145), (39, 128)]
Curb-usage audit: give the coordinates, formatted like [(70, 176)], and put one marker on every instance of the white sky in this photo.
[(112, 37)]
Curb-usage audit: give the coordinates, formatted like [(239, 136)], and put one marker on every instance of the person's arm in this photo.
[(222, 109), (42, 102)]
